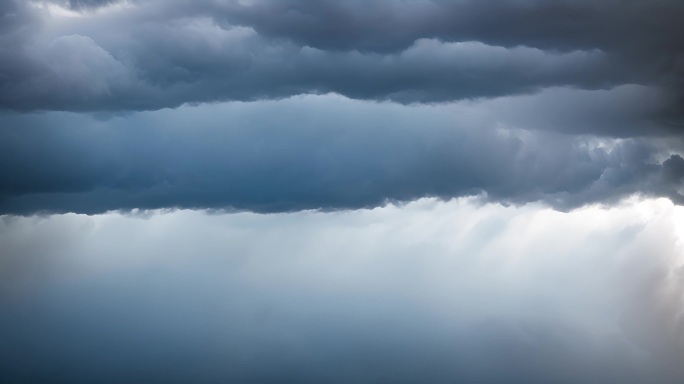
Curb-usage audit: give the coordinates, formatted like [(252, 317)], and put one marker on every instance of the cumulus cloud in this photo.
[(430, 291)]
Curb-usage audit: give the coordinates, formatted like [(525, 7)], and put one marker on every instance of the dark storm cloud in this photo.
[(392, 25), (307, 153), (161, 54), (539, 143), (646, 37), (197, 61), (674, 168)]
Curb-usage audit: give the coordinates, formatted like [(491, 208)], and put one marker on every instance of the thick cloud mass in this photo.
[(429, 292), (324, 152), (567, 102), (154, 54)]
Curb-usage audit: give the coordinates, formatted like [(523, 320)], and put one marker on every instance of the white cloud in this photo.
[(597, 289)]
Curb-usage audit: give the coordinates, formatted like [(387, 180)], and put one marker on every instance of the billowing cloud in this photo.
[(156, 54), (439, 292), (568, 103)]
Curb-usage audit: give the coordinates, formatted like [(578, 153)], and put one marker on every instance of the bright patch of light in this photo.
[(678, 221), (114, 7), (55, 10)]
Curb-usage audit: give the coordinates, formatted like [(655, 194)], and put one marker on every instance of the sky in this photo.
[(388, 191)]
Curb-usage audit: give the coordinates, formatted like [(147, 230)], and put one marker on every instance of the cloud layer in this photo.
[(324, 152), (155, 54), (140, 104), (431, 291)]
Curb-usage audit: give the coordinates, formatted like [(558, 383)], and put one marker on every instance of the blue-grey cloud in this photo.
[(318, 152), (154, 54)]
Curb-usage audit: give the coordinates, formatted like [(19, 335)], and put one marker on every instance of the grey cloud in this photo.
[(426, 51), (647, 35), (197, 61), (81, 4), (628, 111), (568, 117), (391, 25), (674, 169), (315, 152)]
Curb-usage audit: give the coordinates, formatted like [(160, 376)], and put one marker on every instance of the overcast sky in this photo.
[(342, 191)]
